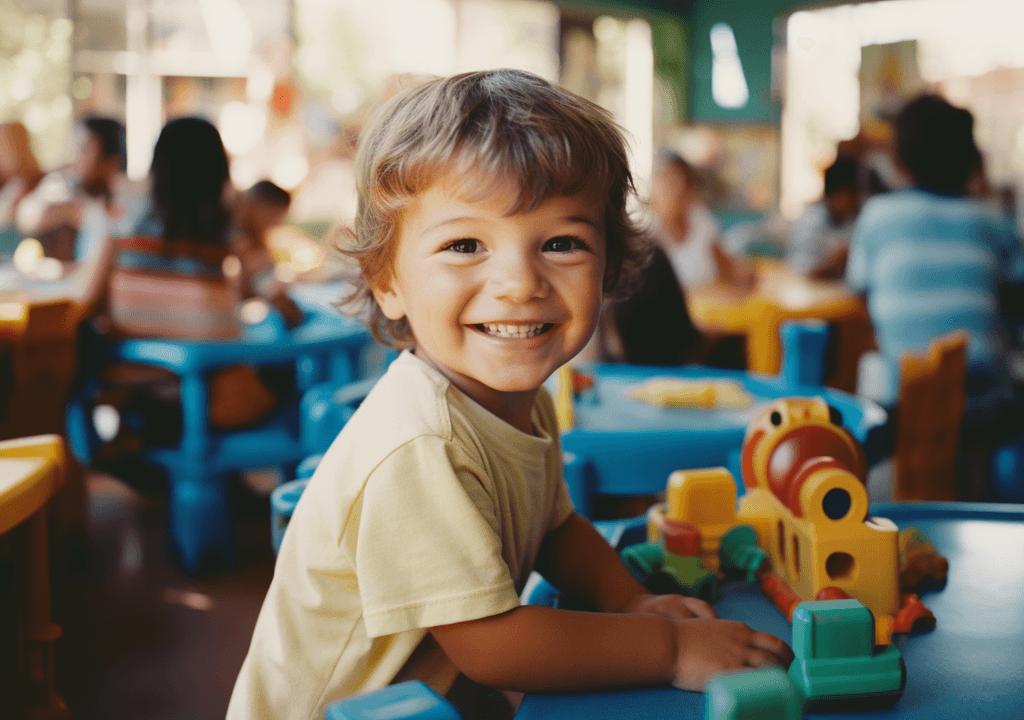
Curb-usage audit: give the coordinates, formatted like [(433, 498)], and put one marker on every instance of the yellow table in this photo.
[(31, 472), (779, 295)]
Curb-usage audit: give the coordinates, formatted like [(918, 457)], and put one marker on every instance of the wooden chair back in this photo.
[(931, 408)]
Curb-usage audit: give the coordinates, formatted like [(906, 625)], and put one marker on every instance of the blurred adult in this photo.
[(56, 211), (174, 275), (930, 259), (820, 238), (686, 228)]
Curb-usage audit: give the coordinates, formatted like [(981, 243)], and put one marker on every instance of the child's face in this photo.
[(496, 302)]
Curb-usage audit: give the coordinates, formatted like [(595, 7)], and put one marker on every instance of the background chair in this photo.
[(324, 347), (930, 412)]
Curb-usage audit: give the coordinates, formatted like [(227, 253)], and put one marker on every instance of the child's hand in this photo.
[(674, 607), (708, 648)]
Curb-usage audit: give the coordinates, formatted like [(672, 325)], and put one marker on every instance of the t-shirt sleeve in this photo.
[(428, 550)]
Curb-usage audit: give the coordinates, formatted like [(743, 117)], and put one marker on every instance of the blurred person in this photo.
[(257, 211), (651, 325), (173, 275), (19, 176), (930, 260), (56, 212), (688, 231), (820, 238)]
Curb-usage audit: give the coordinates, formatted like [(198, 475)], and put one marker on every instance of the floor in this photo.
[(143, 641)]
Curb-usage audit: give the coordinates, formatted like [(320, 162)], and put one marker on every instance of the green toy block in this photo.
[(740, 554), (693, 576), (756, 695), (836, 659), (643, 558)]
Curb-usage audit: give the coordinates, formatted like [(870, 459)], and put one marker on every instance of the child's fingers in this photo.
[(761, 658), (775, 646), (699, 608)]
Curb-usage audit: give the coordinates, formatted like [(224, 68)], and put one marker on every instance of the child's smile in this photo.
[(497, 301)]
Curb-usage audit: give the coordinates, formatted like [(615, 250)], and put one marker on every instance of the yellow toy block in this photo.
[(704, 498)]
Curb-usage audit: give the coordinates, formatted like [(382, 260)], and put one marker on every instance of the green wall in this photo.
[(752, 24)]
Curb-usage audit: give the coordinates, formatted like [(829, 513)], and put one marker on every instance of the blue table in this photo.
[(632, 446), (970, 666)]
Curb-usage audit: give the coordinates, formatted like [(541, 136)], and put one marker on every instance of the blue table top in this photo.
[(970, 665), (635, 444)]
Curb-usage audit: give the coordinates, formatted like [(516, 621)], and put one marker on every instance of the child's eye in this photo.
[(564, 243), (464, 245)]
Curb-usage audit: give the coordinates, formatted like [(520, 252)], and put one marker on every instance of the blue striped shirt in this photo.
[(930, 265)]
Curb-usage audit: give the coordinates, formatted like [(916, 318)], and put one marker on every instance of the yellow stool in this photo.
[(31, 472)]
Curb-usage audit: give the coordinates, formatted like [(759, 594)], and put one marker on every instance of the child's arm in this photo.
[(539, 649)]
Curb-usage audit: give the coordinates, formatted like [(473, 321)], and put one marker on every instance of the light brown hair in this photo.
[(507, 123)]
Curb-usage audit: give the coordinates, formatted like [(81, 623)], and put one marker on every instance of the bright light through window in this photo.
[(728, 85)]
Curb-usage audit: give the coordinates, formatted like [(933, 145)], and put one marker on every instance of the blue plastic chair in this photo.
[(323, 348)]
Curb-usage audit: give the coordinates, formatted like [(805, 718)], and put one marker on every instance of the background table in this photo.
[(779, 295), (971, 665), (633, 446)]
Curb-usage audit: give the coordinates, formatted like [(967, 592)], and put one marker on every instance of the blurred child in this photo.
[(688, 231), (19, 176), (492, 221), (259, 210), (820, 238), (930, 259)]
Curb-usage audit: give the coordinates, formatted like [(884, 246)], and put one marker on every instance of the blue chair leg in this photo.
[(200, 520)]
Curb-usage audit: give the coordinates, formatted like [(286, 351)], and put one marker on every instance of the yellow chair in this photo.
[(31, 472), (931, 407)]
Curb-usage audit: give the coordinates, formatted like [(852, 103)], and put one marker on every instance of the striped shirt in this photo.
[(930, 265)]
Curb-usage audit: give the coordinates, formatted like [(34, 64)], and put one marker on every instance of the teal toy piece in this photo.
[(411, 700), (756, 695), (837, 662), (662, 571), (739, 553)]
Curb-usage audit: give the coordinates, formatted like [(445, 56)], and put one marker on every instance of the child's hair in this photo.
[(189, 172), (841, 175), (507, 123), (935, 142), (110, 134)]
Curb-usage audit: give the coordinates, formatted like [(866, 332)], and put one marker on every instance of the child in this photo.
[(820, 239), (930, 261), (492, 219)]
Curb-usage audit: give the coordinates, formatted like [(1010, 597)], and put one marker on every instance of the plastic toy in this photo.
[(411, 700), (756, 695), (921, 566), (837, 660), (674, 565), (704, 498), (807, 507)]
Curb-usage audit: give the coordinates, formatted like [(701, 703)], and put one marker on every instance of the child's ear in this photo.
[(388, 296)]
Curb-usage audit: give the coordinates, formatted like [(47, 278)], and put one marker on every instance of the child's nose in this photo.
[(517, 279)]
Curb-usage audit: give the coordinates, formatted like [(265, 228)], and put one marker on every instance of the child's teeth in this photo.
[(513, 331)]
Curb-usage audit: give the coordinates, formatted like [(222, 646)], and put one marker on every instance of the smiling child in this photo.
[(492, 222)]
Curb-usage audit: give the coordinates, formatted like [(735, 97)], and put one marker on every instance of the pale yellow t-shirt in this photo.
[(426, 510)]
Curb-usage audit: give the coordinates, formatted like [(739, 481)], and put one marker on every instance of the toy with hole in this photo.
[(806, 512)]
